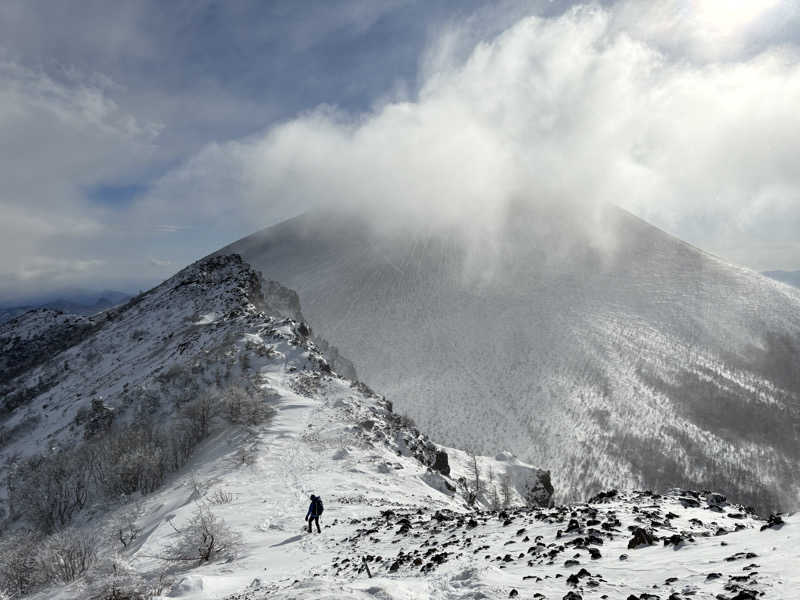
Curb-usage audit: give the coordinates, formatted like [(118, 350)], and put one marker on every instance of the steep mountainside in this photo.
[(205, 381), (217, 346), (619, 358)]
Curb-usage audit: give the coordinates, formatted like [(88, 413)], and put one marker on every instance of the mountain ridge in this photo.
[(660, 353), (426, 520)]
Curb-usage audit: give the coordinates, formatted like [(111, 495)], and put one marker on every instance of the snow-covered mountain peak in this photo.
[(644, 362)]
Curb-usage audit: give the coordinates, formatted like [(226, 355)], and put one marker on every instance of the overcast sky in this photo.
[(136, 137)]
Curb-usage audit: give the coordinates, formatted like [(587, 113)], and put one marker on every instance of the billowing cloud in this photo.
[(591, 106), (682, 112)]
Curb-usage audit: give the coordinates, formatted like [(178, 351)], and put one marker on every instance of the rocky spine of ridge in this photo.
[(202, 329)]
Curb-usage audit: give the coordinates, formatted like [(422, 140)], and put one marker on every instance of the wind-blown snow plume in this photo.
[(593, 106)]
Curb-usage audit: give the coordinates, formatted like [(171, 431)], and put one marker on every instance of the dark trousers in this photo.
[(314, 518)]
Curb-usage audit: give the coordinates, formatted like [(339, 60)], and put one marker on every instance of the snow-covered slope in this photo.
[(217, 331), (393, 500), (639, 546), (620, 359)]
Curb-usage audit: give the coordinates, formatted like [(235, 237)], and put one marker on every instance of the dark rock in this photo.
[(573, 525), (603, 497), (745, 595), (513, 594), (594, 553), (641, 537), (594, 540), (675, 539), (441, 463), (774, 521), (572, 596)]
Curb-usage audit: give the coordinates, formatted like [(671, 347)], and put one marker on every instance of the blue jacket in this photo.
[(313, 509)]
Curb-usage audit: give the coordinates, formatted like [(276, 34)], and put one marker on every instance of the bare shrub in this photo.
[(125, 528), (132, 459), (66, 555), (198, 414), (18, 567), (245, 408), (204, 538), (114, 579), (48, 490), (221, 496)]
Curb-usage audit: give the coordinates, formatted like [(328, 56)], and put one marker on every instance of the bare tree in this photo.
[(505, 490), (494, 498), (66, 555), (202, 539), (475, 472)]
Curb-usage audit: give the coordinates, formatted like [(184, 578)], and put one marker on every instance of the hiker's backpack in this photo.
[(320, 508)]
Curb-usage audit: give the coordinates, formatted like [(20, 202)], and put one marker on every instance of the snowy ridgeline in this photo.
[(635, 360), (169, 446)]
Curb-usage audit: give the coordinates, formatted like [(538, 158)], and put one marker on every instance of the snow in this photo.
[(607, 364), (207, 319), (314, 446), (335, 438)]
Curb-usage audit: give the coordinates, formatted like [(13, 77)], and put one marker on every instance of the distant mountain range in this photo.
[(80, 302), (790, 277)]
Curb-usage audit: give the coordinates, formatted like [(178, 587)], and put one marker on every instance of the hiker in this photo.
[(314, 511)]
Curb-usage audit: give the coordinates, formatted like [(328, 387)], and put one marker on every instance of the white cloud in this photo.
[(57, 270), (58, 139), (683, 117), (581, 108), (704, 30)]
